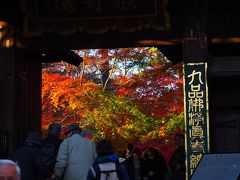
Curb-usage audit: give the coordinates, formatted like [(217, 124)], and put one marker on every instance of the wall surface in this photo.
[(224, 99)]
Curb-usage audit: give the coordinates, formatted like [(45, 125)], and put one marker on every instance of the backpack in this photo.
[(48, 153), (107, 171)]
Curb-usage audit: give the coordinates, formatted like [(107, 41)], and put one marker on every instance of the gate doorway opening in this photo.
[(129, 95)]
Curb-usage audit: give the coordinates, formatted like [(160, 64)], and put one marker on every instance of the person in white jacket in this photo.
[(75, 156)]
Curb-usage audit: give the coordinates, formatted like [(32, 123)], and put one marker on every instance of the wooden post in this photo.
[(195, 51), (195, 46), (20, 94)]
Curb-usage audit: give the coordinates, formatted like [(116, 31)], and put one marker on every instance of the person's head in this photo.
[(73, 129), (104, 147), (54, 130), (87, 133), (130, 146), (179, 139), (153, 152), (9, 170), (33, 139), (137, 153)]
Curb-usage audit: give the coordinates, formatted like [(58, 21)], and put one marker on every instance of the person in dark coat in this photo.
[(27, 157), (129, 150), (155, 166), (177, 164), (134, 165), (49, 150)]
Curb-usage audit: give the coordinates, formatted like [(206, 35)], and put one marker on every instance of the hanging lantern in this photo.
[(6, 35)]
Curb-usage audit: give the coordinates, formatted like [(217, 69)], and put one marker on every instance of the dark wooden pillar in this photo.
[(6, 100), (20, 95), (195, 48), (223, 78), (27, 94)]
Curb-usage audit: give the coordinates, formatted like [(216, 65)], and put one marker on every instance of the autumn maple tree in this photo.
[(129, 94)]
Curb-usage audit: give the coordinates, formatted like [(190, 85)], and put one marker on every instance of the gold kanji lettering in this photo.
[(193, 94), (95, 4), (197, 145), (196, 131), (192, 76), (125, 4), (195, 119), (195, 105), (194, 160)]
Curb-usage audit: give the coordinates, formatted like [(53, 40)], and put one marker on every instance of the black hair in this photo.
[(54, 130), (104, 147), (137, 151), (130, 146), (155, 151)]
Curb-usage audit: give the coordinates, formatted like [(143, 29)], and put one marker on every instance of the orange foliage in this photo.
[(63, 98), (140, 100)]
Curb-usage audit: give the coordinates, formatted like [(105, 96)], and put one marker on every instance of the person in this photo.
[(155, 166), (9, 170), (106, 165), (130, 147), (49, 150), (87, 133), (134, 165), (127, 154), (177, 165), (121, 155), (75, 156), (27, 157)]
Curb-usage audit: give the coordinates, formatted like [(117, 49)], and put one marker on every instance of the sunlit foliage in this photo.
[(130, 94)]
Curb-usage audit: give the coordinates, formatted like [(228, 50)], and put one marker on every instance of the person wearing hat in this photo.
[(27, 157), (75, 156)]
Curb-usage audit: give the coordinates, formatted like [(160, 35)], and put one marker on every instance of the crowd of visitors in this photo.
[(78, 158)]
